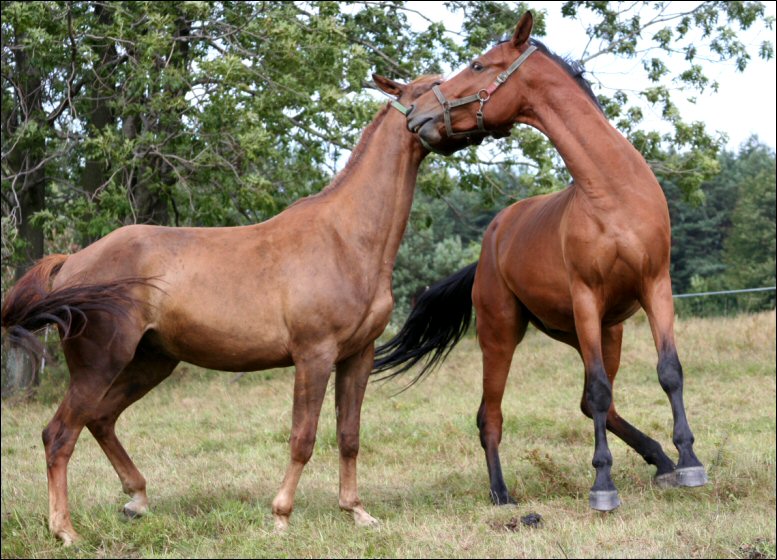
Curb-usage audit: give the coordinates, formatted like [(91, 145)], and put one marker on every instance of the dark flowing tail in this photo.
[(31, 304), (437, 322)]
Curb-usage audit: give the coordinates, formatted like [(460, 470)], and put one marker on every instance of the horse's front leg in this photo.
[(598, 393), (351, 382), (313, 369), (659, 307)]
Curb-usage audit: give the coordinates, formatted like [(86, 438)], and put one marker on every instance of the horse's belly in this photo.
[(224, 354), (232, 340)]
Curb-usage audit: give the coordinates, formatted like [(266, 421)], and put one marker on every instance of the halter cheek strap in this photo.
[(404, 110), (399, 107), (481, 96)]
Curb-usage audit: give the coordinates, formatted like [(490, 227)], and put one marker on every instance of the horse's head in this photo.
[(472, 105), (406, 96)]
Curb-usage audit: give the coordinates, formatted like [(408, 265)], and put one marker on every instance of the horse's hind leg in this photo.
[(310, 381), (351, 382), (94, 359), (501, 326), (658, 305), (649, 449), (146, 370), (59, 440)]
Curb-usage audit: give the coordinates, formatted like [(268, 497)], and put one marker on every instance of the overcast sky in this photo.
[(743, 105)]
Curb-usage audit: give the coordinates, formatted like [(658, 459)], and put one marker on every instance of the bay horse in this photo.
[(576, 263), (310, 287)]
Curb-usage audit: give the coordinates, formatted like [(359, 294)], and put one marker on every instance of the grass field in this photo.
[(214, 451)]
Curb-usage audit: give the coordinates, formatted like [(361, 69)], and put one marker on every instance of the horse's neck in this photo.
[(376, 192), (604, 165)]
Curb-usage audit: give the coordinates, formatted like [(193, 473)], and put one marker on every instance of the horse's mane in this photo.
[(572, 67)]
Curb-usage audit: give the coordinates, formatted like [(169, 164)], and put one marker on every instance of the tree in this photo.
[(222, 113), (728, 241), (699, 228), (750, 246), (196, 113)]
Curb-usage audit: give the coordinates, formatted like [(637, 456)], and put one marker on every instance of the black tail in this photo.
[(437, 322)]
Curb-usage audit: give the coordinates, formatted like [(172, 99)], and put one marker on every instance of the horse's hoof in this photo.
[(68, 538), (503, 500), (364, 519), (133, 510), (131, 513), (281, 524), (691, 476), (603, 500), (666, 480)]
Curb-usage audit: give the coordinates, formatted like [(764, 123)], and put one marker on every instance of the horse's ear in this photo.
[(389, 86), (523, 29)]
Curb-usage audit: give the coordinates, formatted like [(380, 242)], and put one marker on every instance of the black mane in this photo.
[(572, 67)]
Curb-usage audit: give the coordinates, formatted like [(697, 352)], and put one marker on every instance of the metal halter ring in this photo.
[(482, 96)]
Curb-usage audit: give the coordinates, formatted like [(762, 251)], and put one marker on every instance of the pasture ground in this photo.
[(214, 451)]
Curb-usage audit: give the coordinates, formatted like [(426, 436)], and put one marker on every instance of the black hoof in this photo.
[(502, 499)]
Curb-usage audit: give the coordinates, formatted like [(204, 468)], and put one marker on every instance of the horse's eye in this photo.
[(437, 83), (476, 66)]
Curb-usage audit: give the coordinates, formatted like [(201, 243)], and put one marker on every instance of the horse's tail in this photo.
[(31, 304), (437, 322)]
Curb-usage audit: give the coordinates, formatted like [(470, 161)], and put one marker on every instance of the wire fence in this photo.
[(725, 302)]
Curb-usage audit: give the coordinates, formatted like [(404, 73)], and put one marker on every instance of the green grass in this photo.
[(214, 452)]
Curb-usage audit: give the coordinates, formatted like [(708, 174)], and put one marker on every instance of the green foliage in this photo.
[(750, 246), (217, 114), (727, 240), (437, 243)]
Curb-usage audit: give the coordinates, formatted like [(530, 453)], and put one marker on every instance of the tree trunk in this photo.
[(26, 159), (99, 93)]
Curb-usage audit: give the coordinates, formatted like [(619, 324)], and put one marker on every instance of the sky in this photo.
[(743, 105)]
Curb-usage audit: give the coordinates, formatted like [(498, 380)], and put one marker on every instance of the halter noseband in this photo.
[(481, 96)]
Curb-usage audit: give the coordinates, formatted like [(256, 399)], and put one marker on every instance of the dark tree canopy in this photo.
[(223, 113)]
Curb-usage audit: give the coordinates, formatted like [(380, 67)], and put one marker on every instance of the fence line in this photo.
[(772, 288)]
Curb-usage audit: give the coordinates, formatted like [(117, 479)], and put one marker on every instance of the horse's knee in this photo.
[(490, 427), (670, 372), (57, 442), (598, 393), (348, 441), (302, 446)]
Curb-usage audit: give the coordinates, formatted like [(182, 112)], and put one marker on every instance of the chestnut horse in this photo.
[(310, 287), (576, 263)]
